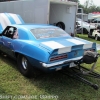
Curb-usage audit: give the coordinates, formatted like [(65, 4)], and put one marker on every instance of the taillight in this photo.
[(59, 57)]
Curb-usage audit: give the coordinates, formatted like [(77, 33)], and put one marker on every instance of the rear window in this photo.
[(42, 33)]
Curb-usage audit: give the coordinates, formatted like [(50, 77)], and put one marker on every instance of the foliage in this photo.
[(89, 7)]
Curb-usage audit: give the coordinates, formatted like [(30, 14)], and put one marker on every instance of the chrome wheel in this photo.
[(24, 63), (24, 66)]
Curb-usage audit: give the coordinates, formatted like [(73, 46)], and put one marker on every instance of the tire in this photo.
[(61, 25), (85, 31), (24, 66), (96, 37), (88, 36)]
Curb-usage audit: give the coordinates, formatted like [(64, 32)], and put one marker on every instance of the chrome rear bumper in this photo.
[(61, 62)]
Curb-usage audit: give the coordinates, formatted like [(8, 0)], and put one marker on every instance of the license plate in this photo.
[(72, 64)]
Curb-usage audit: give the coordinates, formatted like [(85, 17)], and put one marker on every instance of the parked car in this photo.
[(45, 47), (95, 20), (87, 28), (95, 34)]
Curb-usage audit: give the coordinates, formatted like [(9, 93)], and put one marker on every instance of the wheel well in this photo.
[(91, 31), (16, 54), (85, 30), (95, 34)]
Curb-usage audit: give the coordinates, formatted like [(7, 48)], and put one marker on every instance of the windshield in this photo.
[(42, 33), (82, 22)]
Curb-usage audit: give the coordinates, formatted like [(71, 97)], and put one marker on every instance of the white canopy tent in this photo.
[(96, 16)]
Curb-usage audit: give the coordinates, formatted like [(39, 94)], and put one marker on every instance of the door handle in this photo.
[(2, 42), (9, 42)]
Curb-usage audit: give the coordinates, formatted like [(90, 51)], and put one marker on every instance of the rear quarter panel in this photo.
[(31, 49)]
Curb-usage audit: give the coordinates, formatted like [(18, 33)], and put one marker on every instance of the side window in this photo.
[(98, 21), (95, 21), (15, 34), (11, 32)]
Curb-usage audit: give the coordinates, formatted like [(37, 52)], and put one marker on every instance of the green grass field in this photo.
[(52, 86)]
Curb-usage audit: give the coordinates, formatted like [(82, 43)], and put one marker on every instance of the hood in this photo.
[(85, 24), (66, 45), (92, 26)]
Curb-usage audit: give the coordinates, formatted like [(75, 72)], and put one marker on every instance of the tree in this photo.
[(89, 7)]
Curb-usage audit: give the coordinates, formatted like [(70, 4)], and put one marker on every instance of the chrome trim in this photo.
[(60, 62)]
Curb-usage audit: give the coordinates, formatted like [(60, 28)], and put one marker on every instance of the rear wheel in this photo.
[(96, 37), (24, 66)]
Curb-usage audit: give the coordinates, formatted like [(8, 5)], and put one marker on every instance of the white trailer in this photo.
[(44, 12)]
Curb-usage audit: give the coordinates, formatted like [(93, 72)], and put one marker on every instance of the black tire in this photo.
[(96, 37), (24, 66), (61, 25), (88, 36), (85, 31)]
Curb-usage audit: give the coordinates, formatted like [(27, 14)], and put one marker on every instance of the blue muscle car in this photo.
[(45, 47)]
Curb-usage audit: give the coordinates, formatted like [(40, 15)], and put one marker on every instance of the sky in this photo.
[(96, 2)]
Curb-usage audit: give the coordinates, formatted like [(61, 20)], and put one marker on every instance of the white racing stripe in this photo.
[(16, 19), (86, 46), (64, 50), (75, 41), (4, 20), (1, 21), (53, 44)]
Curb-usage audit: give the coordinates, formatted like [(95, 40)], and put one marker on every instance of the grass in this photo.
[(84, 36), (52, 86)]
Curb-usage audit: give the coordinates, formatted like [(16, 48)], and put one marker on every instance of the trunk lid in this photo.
[(63, 48)]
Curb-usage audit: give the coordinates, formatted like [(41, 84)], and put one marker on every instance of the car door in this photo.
[(6, 41)]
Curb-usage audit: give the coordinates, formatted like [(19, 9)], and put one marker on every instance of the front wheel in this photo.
[(85, 31), (24, 66)]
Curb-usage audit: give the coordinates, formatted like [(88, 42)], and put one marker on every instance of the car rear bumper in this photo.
[(53, 66), (60, 62)]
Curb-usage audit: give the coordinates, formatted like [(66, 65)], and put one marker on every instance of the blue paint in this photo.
[(38, 53), (10, 18), (21, 19), (1, 29)]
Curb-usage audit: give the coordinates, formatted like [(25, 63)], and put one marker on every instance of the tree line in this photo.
[(88, 6)]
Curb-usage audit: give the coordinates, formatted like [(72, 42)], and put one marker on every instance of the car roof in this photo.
[(7, 19), (33, 26)]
